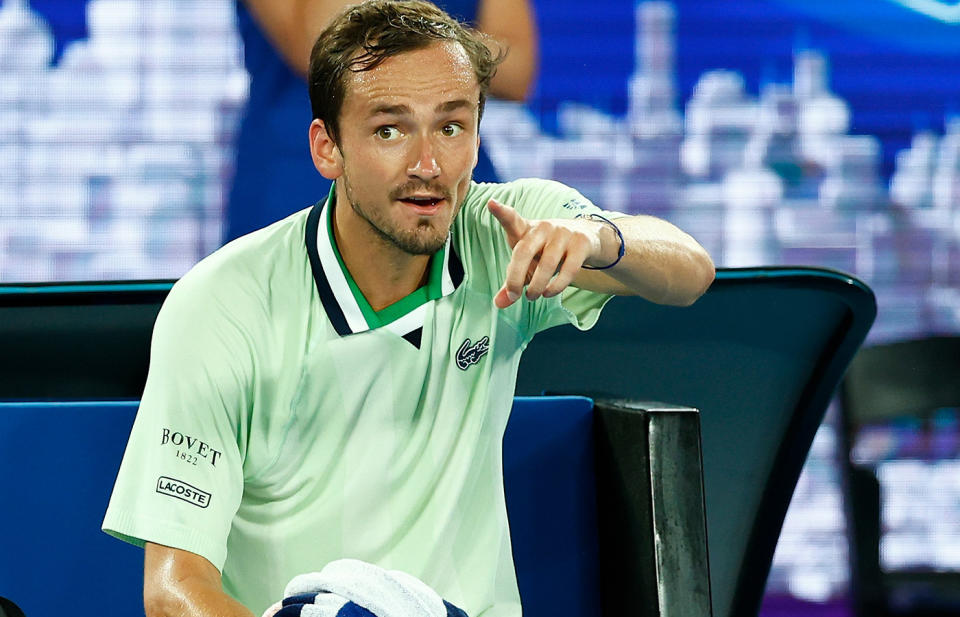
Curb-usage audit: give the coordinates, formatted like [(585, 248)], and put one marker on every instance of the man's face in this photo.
[(408, 145)]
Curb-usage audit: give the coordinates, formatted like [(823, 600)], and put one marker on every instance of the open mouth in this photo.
[(422, 201), (423, 204)]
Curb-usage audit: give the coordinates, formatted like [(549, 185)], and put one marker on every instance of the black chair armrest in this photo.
[(652, 519)]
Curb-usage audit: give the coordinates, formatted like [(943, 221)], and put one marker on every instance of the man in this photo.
[(337, 384), (274, 175)]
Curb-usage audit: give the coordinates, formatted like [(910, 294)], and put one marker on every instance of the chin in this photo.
[(421, 243)]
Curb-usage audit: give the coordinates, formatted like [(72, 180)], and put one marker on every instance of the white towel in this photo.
[(345, 585)]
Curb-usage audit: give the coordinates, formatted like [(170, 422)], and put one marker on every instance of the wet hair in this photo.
[(362, 36)]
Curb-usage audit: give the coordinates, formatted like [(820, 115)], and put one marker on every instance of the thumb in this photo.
[(511, 221)]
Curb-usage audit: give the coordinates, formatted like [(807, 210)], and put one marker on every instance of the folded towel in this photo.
[(353, 588)]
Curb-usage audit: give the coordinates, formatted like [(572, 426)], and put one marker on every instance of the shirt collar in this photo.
[(334, 284)]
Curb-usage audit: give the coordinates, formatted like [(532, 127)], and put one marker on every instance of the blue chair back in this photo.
[(58, 461), (550, 486)]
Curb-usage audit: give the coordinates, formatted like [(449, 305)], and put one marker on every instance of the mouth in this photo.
[(423, 204)]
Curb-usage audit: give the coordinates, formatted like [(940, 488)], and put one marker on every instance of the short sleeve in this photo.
[(181, 478), (541, 199)]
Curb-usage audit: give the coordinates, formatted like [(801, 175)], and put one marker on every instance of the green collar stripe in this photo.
[(376, 319)]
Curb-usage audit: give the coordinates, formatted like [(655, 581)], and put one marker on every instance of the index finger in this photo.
[(511, 221)]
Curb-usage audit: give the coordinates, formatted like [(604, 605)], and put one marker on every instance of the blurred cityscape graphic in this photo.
[(778, 179), (114, 164), (774, 179)]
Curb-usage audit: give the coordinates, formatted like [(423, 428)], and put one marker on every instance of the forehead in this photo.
[(435, 74)]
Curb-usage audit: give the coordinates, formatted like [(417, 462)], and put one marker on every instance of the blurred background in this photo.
[(775, 131)]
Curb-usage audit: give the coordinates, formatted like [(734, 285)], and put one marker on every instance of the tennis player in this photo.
[(336, 385)]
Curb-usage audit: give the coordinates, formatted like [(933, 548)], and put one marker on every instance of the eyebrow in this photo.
[(394, 110), (453, 105), (400, 109)]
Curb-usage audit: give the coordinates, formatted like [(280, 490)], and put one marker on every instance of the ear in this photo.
[(325, 152)]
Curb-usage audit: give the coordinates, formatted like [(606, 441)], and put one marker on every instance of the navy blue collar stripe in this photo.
[(455, 267), (329, 301)]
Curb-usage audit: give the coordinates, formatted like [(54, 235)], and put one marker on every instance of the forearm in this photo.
[(177, 583), (512, 25), (516, 73), (660, 263), (293, 26), (194, 598)]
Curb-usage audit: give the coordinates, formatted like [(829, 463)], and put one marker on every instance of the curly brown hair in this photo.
[(362, 36)]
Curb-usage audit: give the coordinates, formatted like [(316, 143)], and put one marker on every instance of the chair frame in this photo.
[(910, 378), (570, 362)]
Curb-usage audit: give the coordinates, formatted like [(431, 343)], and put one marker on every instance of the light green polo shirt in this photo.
[(285, 424)]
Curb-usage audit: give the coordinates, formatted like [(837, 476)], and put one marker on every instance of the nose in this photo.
[(423, 163)]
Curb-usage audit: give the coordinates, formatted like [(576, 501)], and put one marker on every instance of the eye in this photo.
[(388, 133), (451, 130)]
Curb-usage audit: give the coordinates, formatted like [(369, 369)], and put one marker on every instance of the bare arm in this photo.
[(293, 26), (178, 583), (660, 262), (512, 24)]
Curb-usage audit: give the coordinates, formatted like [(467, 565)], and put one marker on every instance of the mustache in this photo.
[(414, 186)]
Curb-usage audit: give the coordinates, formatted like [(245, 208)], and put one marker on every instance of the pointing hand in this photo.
[(547, 254)]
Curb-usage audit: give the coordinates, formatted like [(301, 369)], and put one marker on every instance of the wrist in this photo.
[(610, 247)]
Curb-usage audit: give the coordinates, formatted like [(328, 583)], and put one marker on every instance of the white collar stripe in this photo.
[(338, 282)]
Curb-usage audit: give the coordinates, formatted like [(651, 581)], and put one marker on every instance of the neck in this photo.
[(383, 272)]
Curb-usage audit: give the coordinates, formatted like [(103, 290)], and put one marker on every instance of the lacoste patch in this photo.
[(183, 491), (470, 353)]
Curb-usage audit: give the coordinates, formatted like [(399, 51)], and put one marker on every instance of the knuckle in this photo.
[(580, 239), (551, 259), (524, 253), (544, 228), (525, 249)]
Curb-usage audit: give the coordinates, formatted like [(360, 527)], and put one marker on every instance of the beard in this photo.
[(425, 239)]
